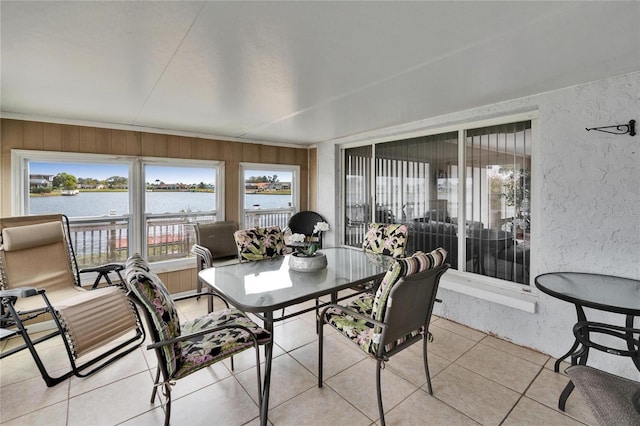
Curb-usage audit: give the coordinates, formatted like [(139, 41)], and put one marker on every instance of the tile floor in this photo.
[(477, 379)]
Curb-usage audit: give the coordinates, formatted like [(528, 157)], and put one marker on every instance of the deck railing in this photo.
[(169, 236), (267, 217)]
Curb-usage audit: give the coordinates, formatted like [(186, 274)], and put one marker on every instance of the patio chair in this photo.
[(382, 328), (386, 238), (39, 277), (592, 335), (183, 349), (214, 242), (389, 239), (613, 400), (259, 243), (303, 223)]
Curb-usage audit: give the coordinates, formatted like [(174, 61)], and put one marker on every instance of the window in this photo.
[(498, 170), (269, 194), (484, 225), (176, 196), (120, 205), (357, 184)]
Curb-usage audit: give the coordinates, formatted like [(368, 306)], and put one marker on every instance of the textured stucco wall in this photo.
[(586, 207)]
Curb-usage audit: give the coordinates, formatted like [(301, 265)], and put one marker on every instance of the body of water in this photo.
[(102, 203)]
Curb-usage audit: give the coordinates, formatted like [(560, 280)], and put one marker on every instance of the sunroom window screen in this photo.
[(416, 184), (357, 186), (498, 167)]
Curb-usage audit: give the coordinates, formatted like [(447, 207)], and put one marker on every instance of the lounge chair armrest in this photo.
[(202, 333), (20, 292), (109, 267)]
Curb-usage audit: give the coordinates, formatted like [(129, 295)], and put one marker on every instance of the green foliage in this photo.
[(117, 181), (515, 186), (65, 181), (263, 179), (41, 190)]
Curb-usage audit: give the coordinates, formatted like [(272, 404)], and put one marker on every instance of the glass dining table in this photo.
[(597, 291), (266, 286)]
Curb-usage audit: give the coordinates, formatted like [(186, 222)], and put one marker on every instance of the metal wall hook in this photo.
[(622, 129)]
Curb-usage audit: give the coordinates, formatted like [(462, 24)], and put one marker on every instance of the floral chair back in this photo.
[(259, 243), (386, 238), (149, 290)]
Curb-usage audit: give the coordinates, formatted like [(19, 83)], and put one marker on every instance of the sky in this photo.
[(103, 171), (165, 174)]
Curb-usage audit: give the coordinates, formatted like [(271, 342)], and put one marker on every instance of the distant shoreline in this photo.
[(58, 193)]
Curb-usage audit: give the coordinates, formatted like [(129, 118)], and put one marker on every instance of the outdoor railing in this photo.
[(267, 217), (100, 240), (106, 239)]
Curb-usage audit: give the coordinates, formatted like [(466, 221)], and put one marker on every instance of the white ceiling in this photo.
[(299, 72)]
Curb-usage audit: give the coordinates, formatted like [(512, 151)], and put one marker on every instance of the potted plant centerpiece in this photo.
[(306, 257)]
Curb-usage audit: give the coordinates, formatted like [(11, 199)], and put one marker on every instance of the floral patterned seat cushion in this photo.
[(387, 239), (364, 333), (183, 358), (205, 350), (260, 243)]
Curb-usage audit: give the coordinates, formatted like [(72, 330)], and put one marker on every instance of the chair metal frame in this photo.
[(413, 298), (158, 345), (12, 320)]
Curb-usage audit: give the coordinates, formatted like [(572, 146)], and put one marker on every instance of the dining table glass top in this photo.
[(269, 284), (604, 292)]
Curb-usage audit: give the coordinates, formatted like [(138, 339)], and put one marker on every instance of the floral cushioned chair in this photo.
[(386, 238), (259, 243), (395, 317), (185, 348)]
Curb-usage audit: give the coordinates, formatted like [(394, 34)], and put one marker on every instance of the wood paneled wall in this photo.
[(32, 135), (16, 134)]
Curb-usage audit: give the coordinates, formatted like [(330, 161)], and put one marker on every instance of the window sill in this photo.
[(173, 265), (516, 298)]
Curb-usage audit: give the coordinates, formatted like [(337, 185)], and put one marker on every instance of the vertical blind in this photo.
[(417, 181), (498, 165)]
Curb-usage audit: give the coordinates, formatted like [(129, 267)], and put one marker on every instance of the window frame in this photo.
[(20, 158), (295, 186), (509, 293)]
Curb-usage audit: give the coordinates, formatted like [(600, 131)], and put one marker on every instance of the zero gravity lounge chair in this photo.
[(39, 277)]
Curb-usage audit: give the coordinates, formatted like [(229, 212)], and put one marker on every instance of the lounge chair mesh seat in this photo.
[(39, 275), (94, 317)]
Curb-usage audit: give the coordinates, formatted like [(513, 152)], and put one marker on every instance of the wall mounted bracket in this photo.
[(621, 129)]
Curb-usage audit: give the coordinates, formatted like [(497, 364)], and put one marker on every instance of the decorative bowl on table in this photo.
[(301, 262)]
